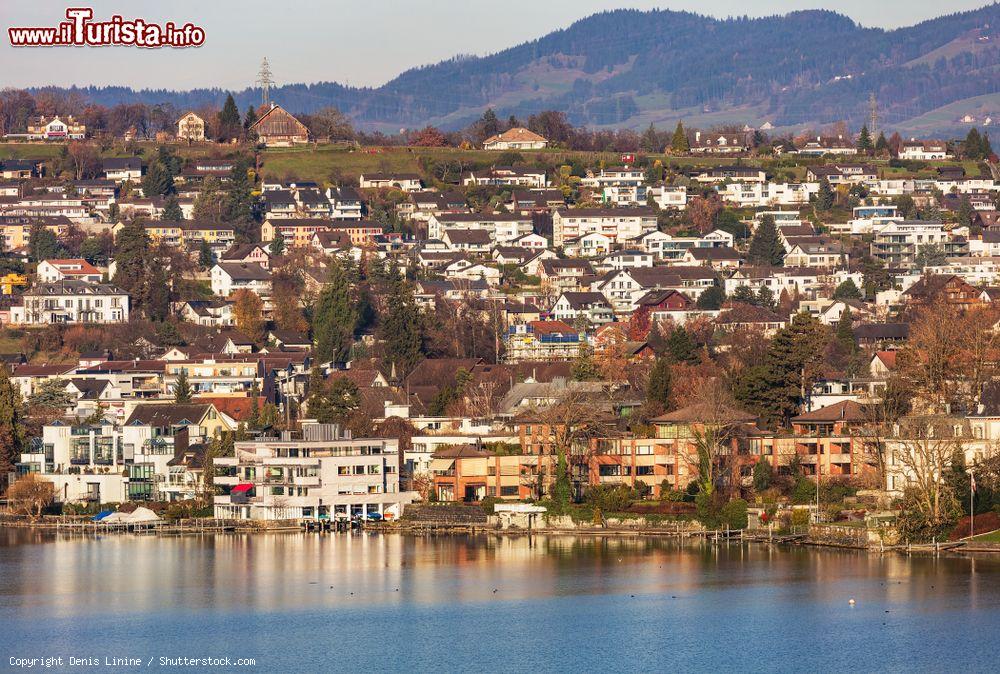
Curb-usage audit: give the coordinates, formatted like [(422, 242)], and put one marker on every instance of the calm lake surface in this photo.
[(374, 602)]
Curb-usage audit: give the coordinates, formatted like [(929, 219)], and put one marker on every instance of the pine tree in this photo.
[(335, 316), (562, 491), (973, 146), (250, 118), (156, 293), (157, 182), (966, 213), (238, 209), (865, 140), (985, 146), (711, 298), (681, 347), (765, 298), (12, 434), (43, 244), (792, 362), (277, 246), (172, 210), (881, 145), (229, 120), (650, 141), (847, 290), (490, 124), (660, 382), (400, 327), (844, 333), (679, 142), (765, 246), (584, 368), (131, 256), (182, 389), (205, 257), (825, 196)]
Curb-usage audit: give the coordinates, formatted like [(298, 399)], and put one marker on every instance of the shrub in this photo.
[(734, 514), (800, 517), (488, 503), (608, 498)]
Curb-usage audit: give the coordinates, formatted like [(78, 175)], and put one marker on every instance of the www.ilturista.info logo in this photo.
[(80, 31)]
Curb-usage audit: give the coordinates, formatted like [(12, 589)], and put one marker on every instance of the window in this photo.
[(509, 491)]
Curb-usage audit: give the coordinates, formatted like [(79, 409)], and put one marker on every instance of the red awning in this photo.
[(246, 486)]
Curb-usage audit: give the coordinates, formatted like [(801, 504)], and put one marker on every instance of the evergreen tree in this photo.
[(660, 381), (156, 293), (250, 118), (744, 295), (711, 298), (825, 197), (985, 146), (277, 246), (844, 334), (490, 125), (881, 145), (182, 389), (157, 182), (400, 327), (682, 347), (333, 401), (172, 210), (865, 140), (561, 489), (229, 120), (335, 316), (205, 258), (765, 246), (131, 257), (973, 146), (847, 290), (650, 141), (43, 244), (765, 298), (584, 368), (12, 433), (679, 141), (966, 213), (238, 204)]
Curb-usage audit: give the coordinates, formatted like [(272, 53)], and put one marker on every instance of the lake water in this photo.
[(373, 602)]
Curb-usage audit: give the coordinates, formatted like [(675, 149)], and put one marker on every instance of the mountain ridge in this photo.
[(622, 67)]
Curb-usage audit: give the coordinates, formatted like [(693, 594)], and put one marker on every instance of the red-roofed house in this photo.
[(54, 271)]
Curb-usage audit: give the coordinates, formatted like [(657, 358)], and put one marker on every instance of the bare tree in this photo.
[(30, 495), (922, 448)]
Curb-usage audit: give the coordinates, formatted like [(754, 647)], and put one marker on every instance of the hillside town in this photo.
[(702, 320)]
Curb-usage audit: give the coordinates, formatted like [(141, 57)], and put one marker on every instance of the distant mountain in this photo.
[(630, 68)]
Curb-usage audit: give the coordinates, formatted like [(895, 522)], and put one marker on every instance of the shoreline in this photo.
[(949, 548)]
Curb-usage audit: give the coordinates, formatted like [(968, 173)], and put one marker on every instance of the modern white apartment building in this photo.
[(317, 473), (621, 224)]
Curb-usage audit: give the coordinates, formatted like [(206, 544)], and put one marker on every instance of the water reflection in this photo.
[(63, 576)]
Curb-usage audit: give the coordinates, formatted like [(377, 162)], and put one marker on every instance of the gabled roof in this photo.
[(845, 410), (162, 416), (516, 135), (701, 412)]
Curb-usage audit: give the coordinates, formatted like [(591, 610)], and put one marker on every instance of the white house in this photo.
[(517, 138), (621, 224), (55, 270), (228, 277), (71, 301), (924, 150)]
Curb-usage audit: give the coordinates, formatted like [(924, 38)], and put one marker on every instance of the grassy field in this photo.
[(328, 164), (992, 537)]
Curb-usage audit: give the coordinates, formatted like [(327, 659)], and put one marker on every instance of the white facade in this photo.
[(71, 302), (620, 224)]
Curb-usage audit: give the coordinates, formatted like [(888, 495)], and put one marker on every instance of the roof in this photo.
[(461, 452), (701, 412), (238, 408), (880, 331), (468, 236), (582, 299), (516, 135), (121, 163), (245, 271), (167, 415), (845, 410)]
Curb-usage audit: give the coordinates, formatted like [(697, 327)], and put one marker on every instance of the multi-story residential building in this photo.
[(508, 176), (542, 340), (842, 174), (318, 473), (345, 203), (54, 271), (503, 228), (667, 197), (54, 128), (228, 277), (621, 224), (897, 243), (120, 169), (408, 182), (71, 302), (762, 195), (191, 127), (295, 231), (924, 150)]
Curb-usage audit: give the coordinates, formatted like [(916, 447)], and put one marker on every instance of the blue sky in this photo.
[(358, 42)]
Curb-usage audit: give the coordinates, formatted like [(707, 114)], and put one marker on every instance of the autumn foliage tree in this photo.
[(248, 312)]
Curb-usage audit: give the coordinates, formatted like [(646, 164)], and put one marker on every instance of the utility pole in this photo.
[(265, 80)]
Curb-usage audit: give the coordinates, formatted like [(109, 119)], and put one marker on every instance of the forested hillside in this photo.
[(610, 68)]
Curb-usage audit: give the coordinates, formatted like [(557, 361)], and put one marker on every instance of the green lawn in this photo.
[(992, 537)]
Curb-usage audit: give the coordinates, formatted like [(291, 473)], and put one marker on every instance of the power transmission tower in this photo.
[(873, 114), (265, 80)]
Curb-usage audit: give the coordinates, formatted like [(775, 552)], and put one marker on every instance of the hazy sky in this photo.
[(360, 42)]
